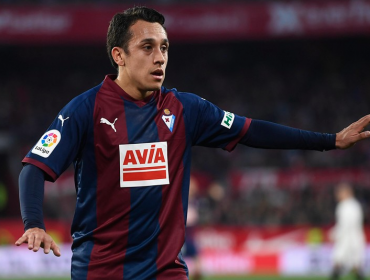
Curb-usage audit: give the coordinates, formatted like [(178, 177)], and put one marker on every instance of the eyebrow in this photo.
[(151, 40)]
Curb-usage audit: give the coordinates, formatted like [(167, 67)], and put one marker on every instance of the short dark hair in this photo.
[(119, 34)]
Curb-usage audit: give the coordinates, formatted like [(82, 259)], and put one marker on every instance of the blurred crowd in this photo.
[(320, 85), (136, 2), (310, 205)]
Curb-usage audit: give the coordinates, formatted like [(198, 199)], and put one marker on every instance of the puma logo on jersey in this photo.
[(143, 164), (61, 118), (104, 120)]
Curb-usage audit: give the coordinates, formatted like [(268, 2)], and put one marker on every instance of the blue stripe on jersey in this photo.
[(84, 222), (145, 201), (80, 260)]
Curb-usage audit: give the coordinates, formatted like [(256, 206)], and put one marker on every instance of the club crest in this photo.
[(168, 119)]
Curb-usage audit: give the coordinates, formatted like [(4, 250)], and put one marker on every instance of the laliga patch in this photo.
[(143, 164), (47, 143), (228, 119)]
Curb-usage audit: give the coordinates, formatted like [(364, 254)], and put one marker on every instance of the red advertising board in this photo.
[(88, 24)]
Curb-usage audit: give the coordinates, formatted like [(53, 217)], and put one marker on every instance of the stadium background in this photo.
[(299, 63)]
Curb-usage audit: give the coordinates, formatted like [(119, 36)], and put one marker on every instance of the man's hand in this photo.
[(36, 238), (353, 133)]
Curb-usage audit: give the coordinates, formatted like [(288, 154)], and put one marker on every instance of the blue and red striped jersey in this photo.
[(132, 168)]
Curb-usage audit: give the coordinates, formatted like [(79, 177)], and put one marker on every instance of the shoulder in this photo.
[(83, 101), (183, 97), (351, 205), (355, 203)]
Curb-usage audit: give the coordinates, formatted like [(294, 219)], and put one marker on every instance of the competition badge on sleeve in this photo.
[(169, 119), (47, 143), (228, 119)]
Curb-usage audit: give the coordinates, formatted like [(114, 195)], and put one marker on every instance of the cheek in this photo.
[(137, 69)]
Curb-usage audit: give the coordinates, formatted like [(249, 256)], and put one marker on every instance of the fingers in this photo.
[(364, 121), (55, 248), (48, 245), (21, 240), (37, 238), (31, 241), (364, 135), (353, 133), (46, 242)]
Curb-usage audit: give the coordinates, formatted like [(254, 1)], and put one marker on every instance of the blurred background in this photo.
[(257, 212)]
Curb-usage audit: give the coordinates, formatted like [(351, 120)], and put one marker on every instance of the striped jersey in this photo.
[(132, 168)]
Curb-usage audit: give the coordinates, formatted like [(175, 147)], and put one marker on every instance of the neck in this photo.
[(133, 92)]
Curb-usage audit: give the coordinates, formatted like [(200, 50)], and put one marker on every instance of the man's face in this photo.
[(145, 65), (343, 192)]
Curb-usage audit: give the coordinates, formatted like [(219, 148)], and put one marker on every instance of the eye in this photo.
[(147, 47), (164, 48)]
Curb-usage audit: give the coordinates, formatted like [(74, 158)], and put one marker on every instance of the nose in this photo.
[(159, 57)]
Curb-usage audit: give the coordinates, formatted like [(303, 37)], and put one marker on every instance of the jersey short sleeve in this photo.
[(61, 144), (211, 126)]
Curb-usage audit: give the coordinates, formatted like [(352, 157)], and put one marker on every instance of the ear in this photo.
[(118, 56)]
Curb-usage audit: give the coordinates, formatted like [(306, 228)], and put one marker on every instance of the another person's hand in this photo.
[(36, 238), (353, 133)]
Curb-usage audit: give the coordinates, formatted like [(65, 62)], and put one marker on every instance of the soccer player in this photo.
[(130, 141), (348, 234)]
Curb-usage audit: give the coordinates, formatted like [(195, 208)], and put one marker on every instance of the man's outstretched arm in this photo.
[(268, 135), (31, 194)]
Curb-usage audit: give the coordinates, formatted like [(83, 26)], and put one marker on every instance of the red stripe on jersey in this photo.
[(231, 146), (171, 215), (143, 168), (148, 175), (43, 167), (112, 201)]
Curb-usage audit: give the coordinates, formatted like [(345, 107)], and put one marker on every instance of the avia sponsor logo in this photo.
[(47, 143), (228, 119), (143, 164)]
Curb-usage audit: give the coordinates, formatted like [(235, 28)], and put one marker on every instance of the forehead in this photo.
[(144, 30)]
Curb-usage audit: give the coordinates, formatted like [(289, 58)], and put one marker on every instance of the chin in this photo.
[(155, 87)]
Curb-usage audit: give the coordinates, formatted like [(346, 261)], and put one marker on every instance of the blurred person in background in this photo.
[(348, 233), (130, 141), (190, 250)]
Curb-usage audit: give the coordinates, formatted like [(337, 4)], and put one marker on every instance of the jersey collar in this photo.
[(111, 86)]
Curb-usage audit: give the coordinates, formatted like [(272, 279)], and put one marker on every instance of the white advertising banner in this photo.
[(296, 260), (20, 262)]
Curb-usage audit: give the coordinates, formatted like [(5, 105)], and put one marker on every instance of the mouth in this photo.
[(158, 74)]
